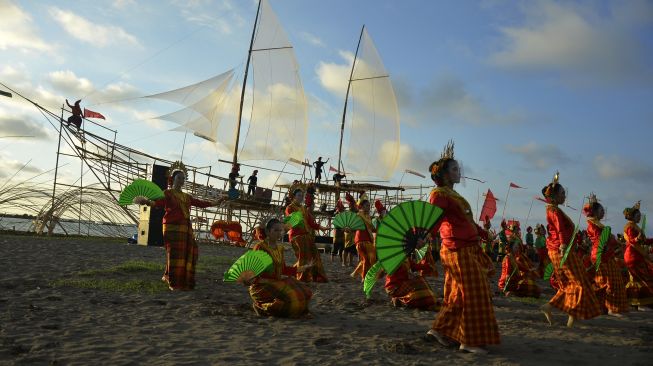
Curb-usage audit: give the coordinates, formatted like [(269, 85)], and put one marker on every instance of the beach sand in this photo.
[(45, 321)]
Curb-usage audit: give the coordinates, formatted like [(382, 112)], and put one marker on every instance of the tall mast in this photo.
[(344, 111), (242, 92)]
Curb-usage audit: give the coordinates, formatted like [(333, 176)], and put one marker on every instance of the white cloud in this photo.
[(201, 12), (69, 84), (89, 32), (540, 156), (18, 31), (334, 76), (9, 167), (122, 4), (21, 125), (619, 167), (312, 39), (580, 42), (448, 100)]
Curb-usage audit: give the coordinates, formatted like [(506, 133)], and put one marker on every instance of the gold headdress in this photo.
[(548, 191), (628, 211), (295, 186), (446, 155), (177, 166), (592, 199)]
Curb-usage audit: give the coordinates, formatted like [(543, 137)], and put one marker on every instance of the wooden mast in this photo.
[(242, 92), (344, 111)]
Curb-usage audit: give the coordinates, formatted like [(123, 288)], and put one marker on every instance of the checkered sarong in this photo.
[(306, 251), (575, 296), (639, 288), (611, 288), (366, 257), (467, 315), (181, 256), (414, 293), (280, 297)]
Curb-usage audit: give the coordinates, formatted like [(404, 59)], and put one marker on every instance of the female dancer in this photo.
[(611, 289), (517, 274), (575, 295), (181, 249), (302, 241), (637, 260), (364, 240), (408, 289), (467, 315), (271, 293)]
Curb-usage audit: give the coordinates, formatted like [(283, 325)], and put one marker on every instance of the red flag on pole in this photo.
[(513, 185), (332, 169), (91, 114), (489, 206)]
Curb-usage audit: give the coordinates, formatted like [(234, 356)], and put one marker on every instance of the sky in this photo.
[(524, 88)]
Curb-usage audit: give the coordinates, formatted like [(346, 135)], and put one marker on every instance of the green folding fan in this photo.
[(140, 188), (370, 278), (348, 220), (571, 243), (257, 261), (548, 272), (400, 231), (295, 219), (603, 240)]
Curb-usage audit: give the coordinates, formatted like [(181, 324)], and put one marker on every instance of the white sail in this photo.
[(203, 116), (278, 123), (374, 134)]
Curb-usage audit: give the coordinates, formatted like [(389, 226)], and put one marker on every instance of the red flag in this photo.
[(489, 206), (513, 185), (332, 169), (90, 114), (541, 199)]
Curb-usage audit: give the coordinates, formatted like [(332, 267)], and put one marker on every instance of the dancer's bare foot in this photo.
[(444, 341), (616, 315), (546, 309), (644, 308), (570, 321)]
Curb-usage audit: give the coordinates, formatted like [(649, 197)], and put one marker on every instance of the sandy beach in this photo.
[(66, 302)]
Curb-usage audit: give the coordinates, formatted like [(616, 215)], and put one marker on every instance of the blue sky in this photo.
[(524, 88)]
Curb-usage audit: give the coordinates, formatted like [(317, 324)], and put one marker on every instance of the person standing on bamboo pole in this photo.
[(640, 266), (575, 294), (608, 278), (181, 249), (466, 316)]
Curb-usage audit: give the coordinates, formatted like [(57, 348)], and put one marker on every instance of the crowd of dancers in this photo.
[(593, 271)]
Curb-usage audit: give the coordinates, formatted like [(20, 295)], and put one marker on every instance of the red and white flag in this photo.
[(91, 114), (513, 185), (332, 169)]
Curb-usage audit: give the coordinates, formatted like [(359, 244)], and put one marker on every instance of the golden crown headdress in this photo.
[(447, 154), (177, 166), (591, 200), (629, 210)]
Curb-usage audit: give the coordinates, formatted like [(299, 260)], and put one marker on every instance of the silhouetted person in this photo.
[(318, 168), (252, 180), (76, 110)]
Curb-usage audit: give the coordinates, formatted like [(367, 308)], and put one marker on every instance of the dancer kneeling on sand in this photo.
[(278, 293), (517, 273), (575, 295), (181, 249), (467, 315), (409, 289), (608, 279)]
